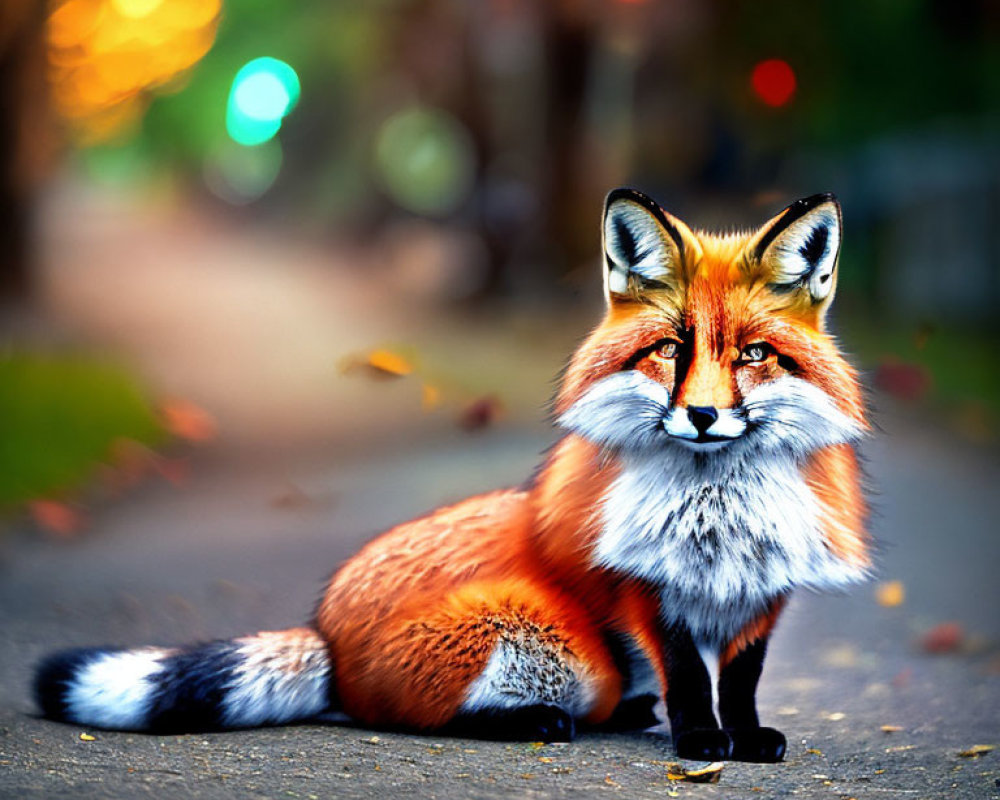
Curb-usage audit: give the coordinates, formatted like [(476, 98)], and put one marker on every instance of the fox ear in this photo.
[(797, 250), (643, 246)]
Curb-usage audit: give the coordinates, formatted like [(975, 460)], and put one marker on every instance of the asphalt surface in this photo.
[(249, 541)]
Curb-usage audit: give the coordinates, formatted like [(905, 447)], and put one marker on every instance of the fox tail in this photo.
[(269, 678)]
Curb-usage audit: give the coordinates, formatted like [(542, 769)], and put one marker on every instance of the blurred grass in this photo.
[(59, 417)]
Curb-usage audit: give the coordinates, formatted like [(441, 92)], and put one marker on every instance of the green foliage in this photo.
[(58, 419)]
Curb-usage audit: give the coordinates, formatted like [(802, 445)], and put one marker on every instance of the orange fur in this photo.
[(413, 618)]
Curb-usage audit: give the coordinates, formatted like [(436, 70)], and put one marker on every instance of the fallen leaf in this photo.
[(377, 364), (430, 397), (480, 413), (901, 748), (546, 759), (902, 678), (891, 728), (710, 773), (943, 638), (56, 517), (131, 462), (787, 711), (174, 470), (86, 737), (977, 750), (389, 362), (611, 781), (836, 716), (814, 751), (890, 594), (904, 381), (187, 421), (291, 497)]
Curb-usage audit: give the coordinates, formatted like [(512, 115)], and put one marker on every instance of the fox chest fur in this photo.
[(720, 537)]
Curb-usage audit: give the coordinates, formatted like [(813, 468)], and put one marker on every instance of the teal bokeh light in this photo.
[(262, 94)]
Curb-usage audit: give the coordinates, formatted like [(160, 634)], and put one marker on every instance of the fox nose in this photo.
[(702, 417)]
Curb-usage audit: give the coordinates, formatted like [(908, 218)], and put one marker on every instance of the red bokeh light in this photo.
[(773, 81)]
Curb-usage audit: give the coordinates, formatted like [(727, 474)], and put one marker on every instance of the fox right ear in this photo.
[(643, 246)]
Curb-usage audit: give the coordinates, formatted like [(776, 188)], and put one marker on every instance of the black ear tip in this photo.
[(634, 195), (814, 200)]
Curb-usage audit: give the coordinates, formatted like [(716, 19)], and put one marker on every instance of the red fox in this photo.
[(707, 468)]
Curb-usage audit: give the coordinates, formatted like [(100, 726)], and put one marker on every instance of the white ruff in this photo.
[(522, 671), (725, 532)]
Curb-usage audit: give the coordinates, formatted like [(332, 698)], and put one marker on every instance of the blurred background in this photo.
[(275, 276), (239, 226)]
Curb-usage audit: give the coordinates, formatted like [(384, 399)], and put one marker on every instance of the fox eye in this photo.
[(757, 351), (667, 350)]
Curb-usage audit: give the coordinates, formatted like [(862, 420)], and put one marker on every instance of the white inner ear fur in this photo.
[(787, 254), (649, 254)]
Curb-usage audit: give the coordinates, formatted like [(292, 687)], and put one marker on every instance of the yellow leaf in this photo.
[(890, 594), (708, 774), (814, 751), (86, 737), (430, 397), (546, 759), (389, 362), (891, 728), (977, 750)]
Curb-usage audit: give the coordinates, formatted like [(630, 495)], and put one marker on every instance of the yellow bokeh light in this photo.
[(136, 9), (105, 56)]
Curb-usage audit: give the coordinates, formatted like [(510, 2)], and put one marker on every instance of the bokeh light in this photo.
[(773, 82), (424, 160), (107, 55), (239, 174), (262, 94)]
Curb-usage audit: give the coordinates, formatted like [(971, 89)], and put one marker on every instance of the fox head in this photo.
[(711, 343)]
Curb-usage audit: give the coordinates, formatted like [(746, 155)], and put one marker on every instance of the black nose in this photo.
[(702, 417)]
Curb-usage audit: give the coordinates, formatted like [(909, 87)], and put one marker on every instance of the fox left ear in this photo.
[(644, 246), (797, 250)]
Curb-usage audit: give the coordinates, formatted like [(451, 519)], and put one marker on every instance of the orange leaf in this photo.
[(187, 421), (55, 517)]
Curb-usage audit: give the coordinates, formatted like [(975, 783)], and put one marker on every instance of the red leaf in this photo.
[(943, 638), (55, 517)]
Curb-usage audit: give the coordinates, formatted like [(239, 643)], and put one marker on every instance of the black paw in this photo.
[(635, 713), (764, 745), (538, 723), (704, 744), (542, 724)]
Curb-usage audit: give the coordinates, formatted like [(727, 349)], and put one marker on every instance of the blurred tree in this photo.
[(24, 143)]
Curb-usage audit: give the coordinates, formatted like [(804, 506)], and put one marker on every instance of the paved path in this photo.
[(234, 551)]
